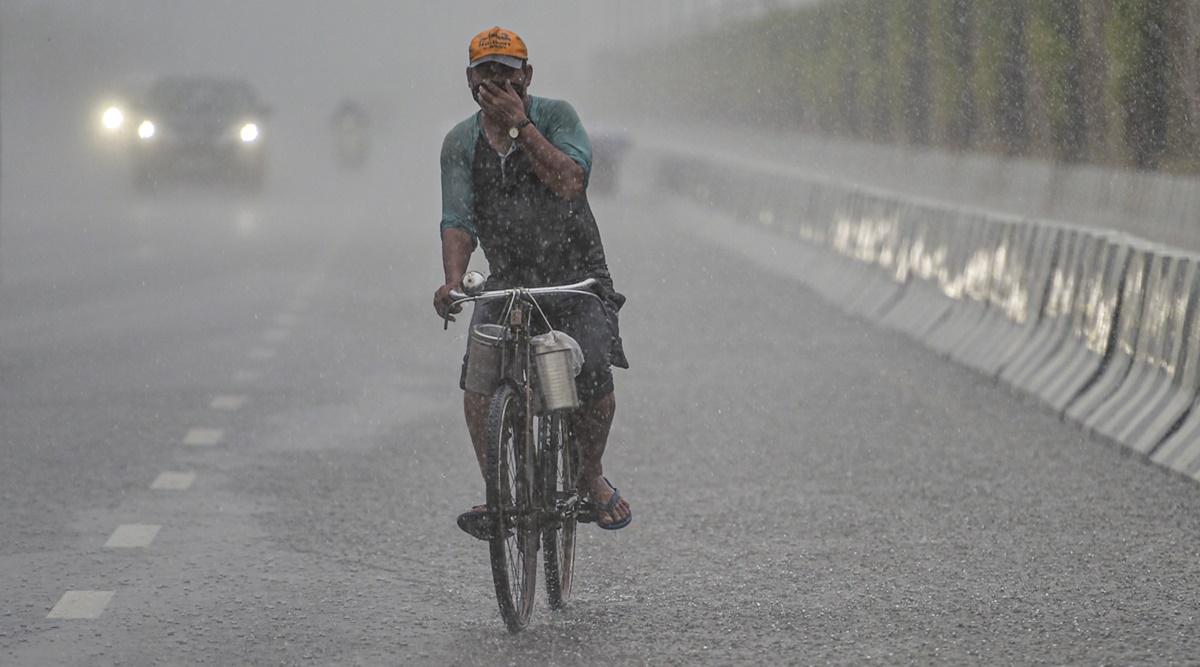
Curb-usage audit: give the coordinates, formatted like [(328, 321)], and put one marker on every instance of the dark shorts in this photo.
[(583, 318)]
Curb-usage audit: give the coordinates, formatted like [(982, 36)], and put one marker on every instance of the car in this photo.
[(198, 127)]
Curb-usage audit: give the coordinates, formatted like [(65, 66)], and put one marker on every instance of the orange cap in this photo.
[(498, 45)]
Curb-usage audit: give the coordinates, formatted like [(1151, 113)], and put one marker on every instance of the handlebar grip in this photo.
[(455, 297)]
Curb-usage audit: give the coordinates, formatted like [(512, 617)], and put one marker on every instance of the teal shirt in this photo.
[(555, 119)]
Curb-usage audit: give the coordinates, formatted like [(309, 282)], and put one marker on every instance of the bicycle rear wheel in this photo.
[(514, 541), (560, 470)]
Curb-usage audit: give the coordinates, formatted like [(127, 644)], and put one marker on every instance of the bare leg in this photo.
[(592, 424), (476, 407)]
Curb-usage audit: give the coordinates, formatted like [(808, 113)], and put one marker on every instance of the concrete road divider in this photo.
[(966, 282), (1004, 254), (1102, 327), (1118, 358), (1055, 321), (1025, 304), (1157, 354), (922, 305), (1080, 356)]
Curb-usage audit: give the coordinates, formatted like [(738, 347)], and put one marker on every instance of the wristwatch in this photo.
[(516, 129)]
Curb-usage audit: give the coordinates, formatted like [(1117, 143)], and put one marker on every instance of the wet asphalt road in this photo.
[(807, 489)]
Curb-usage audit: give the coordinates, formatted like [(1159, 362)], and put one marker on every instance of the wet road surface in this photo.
[(232, 434)]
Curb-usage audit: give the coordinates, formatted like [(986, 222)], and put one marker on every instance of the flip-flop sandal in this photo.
[(608, 507)]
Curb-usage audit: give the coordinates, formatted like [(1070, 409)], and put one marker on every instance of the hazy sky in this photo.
[(308, 47), (60, 59)]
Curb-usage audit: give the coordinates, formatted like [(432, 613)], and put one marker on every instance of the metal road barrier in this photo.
[(1102, 327)]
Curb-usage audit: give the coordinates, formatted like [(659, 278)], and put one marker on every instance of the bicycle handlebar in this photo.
[(582, 287)]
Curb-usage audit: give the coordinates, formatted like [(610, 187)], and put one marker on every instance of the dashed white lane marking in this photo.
[(132, 536), (229, 402), (81, 604), (246, 377), (91, 604), (262, 353), (203, 436), (173, 481)]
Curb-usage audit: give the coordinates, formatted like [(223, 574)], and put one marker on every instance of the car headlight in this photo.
[(112, 118), (249, 133), (146, 129)]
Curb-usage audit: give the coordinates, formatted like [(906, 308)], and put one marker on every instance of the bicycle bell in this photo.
[(472, 283)]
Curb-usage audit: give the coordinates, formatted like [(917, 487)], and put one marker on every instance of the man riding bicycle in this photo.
[(514, 182)]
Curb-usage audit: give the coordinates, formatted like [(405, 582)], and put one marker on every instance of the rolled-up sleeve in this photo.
[(458, 192), (560, 124)]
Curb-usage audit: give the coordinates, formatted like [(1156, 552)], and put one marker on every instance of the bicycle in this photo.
[(532, 465)]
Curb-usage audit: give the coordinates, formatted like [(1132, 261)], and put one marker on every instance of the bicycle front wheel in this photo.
[(514, 540), (560, 470)]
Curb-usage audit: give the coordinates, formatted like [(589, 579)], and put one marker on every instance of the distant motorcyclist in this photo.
[(351, 126)]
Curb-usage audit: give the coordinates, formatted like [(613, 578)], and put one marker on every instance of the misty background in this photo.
[(62, 62)]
